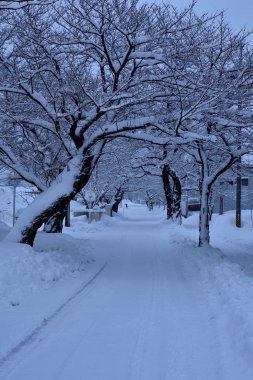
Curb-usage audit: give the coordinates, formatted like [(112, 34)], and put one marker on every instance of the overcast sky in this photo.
[(239, 13)]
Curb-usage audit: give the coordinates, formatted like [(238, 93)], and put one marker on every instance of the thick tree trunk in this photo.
[(70, 182), (55, 223), (167, 191), (205, 191), (177, 194), (115, 206), (117, 199), (67, 216)]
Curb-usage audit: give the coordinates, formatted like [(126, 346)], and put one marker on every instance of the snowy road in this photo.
[(146, 316)]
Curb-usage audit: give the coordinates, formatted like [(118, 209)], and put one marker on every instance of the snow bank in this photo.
[(228, 285), (54, 256), (235, 290), (235, 243), (24, 269), (230, 299), (4, 229), (226, 270)]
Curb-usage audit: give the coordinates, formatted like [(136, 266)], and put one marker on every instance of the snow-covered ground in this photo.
[(130, 297)]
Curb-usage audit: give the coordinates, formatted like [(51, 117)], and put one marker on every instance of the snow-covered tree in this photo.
[(19, 4), (114, 176), (220, 125), (209, 107), (164, 164), (76, 75), (77, 86)]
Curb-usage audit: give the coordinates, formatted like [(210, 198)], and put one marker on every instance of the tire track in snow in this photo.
[(154, 324), (32, 337), (140, 348), (196, 347)]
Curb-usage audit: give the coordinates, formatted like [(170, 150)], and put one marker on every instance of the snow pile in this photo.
[(229, 297), (68, 252), (235, 243), (4, 229), (226, 272), (236, 291), (24, 269), (54, 256)]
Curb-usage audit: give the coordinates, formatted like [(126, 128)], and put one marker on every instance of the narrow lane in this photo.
[(144, 318)]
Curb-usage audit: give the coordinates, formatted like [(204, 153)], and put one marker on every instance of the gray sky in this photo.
[(239, 13)]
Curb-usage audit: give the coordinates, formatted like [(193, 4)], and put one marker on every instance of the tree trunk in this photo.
[(206, 182), (167, 191), (177, 194), (67, 216), (70, 182), (117, 199), (115, 206), (55, 223), (221, 205), (204, 234)]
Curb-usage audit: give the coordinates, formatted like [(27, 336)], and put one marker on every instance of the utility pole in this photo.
[(14, 201), (238, 219)]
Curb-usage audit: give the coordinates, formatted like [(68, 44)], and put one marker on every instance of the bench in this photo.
[(90, 213)]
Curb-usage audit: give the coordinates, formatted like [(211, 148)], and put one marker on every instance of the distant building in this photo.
[(224, 192)]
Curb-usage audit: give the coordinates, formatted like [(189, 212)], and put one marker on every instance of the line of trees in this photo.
[(79, 78)]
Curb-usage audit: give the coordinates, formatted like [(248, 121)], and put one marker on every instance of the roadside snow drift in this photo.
[(24, 269)]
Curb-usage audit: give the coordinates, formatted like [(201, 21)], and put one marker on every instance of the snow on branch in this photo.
[(19, 4), (8, 158)]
